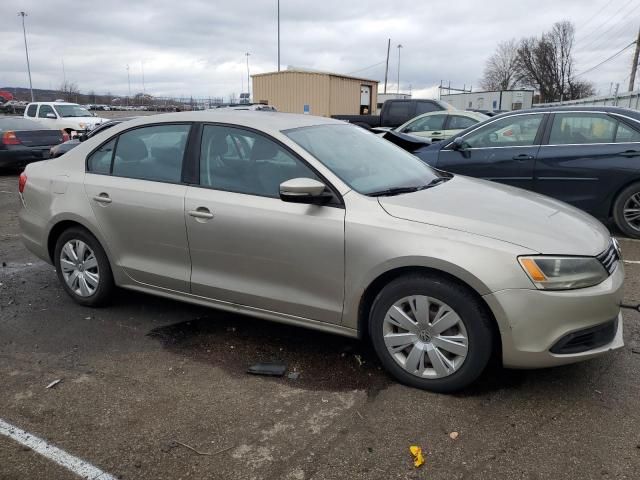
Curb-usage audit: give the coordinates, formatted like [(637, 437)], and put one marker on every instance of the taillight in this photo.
[(65, 136), (9, 138), (22, 181)]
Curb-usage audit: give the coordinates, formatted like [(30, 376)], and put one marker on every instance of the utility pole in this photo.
[(278, 35), (129, 82), (386, 69), (64, 74), (26, 50), (399, 47), (144, 92), (634, 66), (248, 78)]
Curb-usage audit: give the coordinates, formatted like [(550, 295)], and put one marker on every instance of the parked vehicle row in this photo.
[(318, 223), (395, 112)]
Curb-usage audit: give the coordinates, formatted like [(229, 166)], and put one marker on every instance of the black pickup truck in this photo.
[(394, 113)]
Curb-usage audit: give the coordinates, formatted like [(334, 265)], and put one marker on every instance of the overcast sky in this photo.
[(197, 47)]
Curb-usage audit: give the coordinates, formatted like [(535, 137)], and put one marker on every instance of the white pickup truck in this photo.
[(70, 117)]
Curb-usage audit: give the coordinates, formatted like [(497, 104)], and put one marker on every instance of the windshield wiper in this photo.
[(400, 190)]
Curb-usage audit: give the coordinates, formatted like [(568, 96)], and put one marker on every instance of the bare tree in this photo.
[(69, 91), (546, 64), (501, 71)]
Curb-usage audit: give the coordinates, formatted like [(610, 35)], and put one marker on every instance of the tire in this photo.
[(628, 199), (473, 327), (95, 264)]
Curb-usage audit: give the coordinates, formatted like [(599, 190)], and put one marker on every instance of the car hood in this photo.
[(504, 213)]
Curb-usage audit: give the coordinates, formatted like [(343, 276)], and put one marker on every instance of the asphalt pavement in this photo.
[(156, 389)]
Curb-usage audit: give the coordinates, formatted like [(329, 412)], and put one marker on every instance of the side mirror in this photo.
[(51, 115), (304, 190), (458, 144), (83, 137)]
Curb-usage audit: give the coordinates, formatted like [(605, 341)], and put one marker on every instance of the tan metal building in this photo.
[(315, 92)]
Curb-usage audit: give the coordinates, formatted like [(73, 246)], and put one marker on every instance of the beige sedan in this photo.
[(441, 125), (317, 223)]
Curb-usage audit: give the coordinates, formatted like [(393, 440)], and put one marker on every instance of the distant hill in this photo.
[(21, 93)]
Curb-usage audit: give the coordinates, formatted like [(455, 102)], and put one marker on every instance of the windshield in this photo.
[(364, 161), (72, 111)]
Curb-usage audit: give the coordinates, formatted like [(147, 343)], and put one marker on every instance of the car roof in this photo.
[(264, 120), (54, 103), (575, 108)]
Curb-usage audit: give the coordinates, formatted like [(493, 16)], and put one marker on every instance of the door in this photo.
[(503, 150), (45, 110), (133, 184), (248, 247), (365, 99), (429, 126), (587, 158)]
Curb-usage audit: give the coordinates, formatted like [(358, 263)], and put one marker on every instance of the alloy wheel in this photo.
[(631, 211), (425, 336), (79, 268)]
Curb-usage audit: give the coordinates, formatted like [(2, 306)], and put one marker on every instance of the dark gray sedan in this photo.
[(586, 156)]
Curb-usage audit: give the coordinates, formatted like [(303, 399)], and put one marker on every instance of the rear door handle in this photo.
[(201, 212), (522, 157), (102, 198), (630, 153), (436, 133)]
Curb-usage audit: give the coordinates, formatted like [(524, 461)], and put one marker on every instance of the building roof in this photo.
[(316, 72)]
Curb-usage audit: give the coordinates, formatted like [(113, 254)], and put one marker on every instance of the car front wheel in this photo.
[(431, 333)]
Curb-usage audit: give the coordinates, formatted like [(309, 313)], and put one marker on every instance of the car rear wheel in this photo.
[(431, 333), (83, 268), (626, 211)]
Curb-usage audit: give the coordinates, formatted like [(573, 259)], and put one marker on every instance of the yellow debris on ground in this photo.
[(416, 452)]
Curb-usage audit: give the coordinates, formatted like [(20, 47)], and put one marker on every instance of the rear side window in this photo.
[(31, 111), (44, 110), (581, 128), (151, 153), (511, 131), (626, 134), (100, 160)]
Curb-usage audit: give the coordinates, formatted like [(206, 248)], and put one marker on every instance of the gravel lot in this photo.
[(146, 373)]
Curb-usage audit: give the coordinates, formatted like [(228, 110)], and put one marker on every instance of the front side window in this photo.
[(511, 131), (365, 162), (151, 153), (44, 110), (458, 122), (580, 128), (241, 161), (427, 123), (31, 111), (100, 160)]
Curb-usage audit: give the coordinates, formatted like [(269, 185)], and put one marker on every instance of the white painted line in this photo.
[(633, 262), (62, 458)]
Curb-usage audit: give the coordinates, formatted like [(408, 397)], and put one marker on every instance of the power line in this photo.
[(366, 68), (605, 22), (594, 51), (606, 59), (596, 14)]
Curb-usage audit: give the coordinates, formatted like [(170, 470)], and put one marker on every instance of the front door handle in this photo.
[(201, 212), (436, 133), (522, 157), (102, 198), (630, 153)]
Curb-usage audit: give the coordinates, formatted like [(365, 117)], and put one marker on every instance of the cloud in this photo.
[(196, 47)]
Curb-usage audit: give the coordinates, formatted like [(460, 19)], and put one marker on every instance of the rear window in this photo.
[(18, 124)]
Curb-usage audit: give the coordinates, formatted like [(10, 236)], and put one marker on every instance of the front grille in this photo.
[(587, 339), (609, 258)]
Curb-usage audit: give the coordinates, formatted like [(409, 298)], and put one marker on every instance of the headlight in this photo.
[(563, 273)]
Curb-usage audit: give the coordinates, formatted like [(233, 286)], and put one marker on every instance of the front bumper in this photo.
[(532, 321)]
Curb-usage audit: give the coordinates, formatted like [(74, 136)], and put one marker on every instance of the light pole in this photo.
[(144, 92), (278, 35), (399, 47), (129, 82), (26, 50), (248, 79)]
